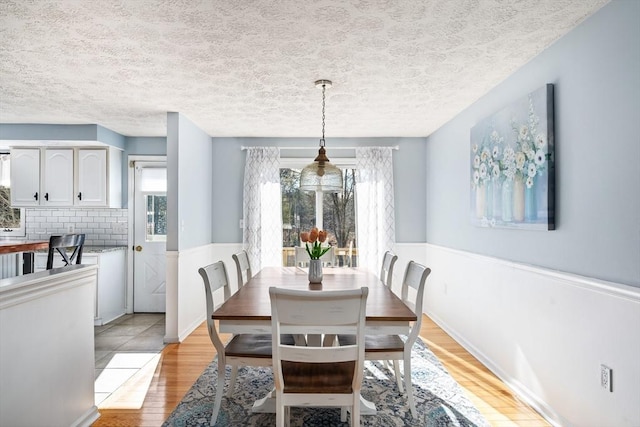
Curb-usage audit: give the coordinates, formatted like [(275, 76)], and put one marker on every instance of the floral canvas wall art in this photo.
[(513, 166)]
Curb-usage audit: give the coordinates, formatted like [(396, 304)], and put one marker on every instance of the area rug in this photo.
[(440, 401)]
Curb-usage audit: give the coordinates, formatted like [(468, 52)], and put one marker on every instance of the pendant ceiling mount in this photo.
[(321, 175)]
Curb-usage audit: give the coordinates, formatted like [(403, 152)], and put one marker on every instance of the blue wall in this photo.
[(409, 176), (189, 184), (596, 73)]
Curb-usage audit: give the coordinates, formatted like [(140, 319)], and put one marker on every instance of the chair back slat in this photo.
[(415, 277), (62, 244), (386, 271), (214, 277), (243, 267)]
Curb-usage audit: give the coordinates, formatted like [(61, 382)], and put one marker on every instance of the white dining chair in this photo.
[(393, 347), (242, 349), (386, 271), (315, 375), (243, 267)]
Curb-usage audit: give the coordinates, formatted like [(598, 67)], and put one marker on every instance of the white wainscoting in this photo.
[(543, 332), (186, 308), (47, 366)]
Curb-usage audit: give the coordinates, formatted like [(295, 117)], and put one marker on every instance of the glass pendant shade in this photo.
[(321, 176)]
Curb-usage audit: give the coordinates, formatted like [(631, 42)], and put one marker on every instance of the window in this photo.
[(11, 219), (334, 212)]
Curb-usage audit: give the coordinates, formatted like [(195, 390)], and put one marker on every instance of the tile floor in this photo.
[(125, 347)]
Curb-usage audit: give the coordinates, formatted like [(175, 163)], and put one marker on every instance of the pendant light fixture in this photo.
[(321, 175)]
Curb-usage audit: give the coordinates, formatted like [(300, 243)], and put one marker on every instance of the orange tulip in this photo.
[(313, 235), (322, 235), (304, 236)]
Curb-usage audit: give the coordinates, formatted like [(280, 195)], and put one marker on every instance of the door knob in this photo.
[(138, 248)]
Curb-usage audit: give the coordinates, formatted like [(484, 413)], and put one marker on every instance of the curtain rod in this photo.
[(393, 147)]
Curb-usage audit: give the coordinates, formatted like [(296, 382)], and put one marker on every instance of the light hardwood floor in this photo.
[(181, 364)]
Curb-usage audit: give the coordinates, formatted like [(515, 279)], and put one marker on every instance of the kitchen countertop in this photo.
[(89, 249)]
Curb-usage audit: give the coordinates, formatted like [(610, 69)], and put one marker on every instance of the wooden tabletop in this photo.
[(252, 301), (14, 246)]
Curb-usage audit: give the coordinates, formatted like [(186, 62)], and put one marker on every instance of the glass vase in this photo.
[(315, 271), (480, 200), (530, 206), (507, 200), (518, 199)]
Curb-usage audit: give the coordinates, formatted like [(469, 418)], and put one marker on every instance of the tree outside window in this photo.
[(299, 210)]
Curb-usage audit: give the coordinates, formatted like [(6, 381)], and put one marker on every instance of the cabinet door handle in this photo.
[(35, 196), (80, 195), (46, 196)]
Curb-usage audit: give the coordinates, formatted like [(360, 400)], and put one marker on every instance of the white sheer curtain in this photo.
[(262, 207), (375, 217)]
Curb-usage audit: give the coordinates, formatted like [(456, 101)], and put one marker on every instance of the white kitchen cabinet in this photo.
[(80, 177), (91, 179), (25, 177), (57, 178), (109, 302)]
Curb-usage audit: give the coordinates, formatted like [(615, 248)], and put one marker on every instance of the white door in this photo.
[(150, 237)]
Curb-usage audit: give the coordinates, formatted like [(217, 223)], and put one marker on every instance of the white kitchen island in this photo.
[(47, 362)]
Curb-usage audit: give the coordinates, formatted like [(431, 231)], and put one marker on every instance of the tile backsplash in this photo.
[(101, 226)]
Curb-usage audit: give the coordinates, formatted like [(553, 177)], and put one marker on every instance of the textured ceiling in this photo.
[(247, 67)]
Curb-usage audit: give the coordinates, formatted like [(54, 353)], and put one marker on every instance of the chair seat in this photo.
[(375, 343), (253, 345), (318, 378)]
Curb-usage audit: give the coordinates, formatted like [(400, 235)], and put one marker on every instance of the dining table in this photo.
[(248, 311)]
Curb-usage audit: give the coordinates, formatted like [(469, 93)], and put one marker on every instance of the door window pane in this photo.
[(156, 218)]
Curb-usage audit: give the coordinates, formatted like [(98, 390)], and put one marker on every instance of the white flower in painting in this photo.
[(510, 172), (524, 132), (485, 155), (531, 155), (490, 163), (474, 148), (492, 222), (476, 177), (483, 171), (508, 154), (495, 172), (529, 182), (496, 151), (476, 162), (540, 157), (484, 221), (541, 140), (520, 159), (496, 138), (532, 170)]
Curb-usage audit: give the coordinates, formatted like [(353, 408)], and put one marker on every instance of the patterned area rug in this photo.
[(440, 401)]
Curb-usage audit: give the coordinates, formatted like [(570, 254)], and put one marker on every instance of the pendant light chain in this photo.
[(323, 90)]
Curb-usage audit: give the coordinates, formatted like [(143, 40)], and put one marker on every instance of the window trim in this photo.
[(15, 232)]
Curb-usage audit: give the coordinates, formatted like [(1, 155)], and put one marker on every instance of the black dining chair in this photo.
[(62, 244)]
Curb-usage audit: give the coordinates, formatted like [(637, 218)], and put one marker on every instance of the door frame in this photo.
[(131, 159)]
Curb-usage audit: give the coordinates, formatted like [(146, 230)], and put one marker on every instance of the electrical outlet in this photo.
[(70, 229), (605, 378)]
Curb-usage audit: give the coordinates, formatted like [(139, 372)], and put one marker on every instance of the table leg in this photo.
[(27, 262)]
